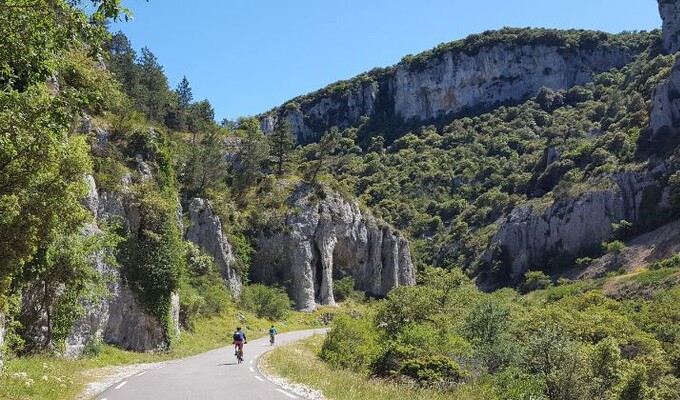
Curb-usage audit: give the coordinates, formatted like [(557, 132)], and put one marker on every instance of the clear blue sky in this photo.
[(248, 56)]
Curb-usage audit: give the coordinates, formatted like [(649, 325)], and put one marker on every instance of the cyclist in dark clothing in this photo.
[(272, 333), (239, 339)]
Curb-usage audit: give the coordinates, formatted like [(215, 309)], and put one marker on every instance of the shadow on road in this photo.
[(225, 364)]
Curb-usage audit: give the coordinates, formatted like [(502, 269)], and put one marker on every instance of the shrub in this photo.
[(94, 348), (673, 262), (433, 370), (614, 247), (535, 280), (352, 343), (622, 229), (265, 301), (583, 262), (514, 383), (486, 326), (343, 289), (634, 384)]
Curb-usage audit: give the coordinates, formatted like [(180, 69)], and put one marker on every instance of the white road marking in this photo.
[(259, 379), (286, 393), (141, 373), (251, 361), (251, 369), (121, 385)]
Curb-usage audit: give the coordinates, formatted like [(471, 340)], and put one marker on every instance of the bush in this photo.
[(673, 262), (93, 349), (203, 292), (514, 383), (352, 343), (535, 280), (343, 289), (614, 247), (433, 370), (265, 301)]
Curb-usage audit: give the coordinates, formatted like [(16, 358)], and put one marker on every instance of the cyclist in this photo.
[(272, 333), (239, 339)]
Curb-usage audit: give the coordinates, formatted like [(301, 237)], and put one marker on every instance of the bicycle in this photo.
[(239, 355), (271, 339)]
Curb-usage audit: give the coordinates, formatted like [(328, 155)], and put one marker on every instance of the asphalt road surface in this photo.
[(207, 376)]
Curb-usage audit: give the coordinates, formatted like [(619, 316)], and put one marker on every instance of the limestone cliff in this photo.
[(448, 82), (670, 15), (574, 225), (665, 112), (206, 232), (119, 319), (327, 238)]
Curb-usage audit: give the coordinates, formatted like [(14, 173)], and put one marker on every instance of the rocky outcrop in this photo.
[(498, 74), (670, 15), (326, 239), (130, 327), (119, 318), (206, 232), (665, 112), (571, 226), (449, 82), (344, 109)]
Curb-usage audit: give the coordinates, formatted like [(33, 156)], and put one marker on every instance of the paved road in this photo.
[(207, 376)]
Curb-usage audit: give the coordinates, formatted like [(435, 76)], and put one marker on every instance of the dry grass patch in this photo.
[(299, 363)]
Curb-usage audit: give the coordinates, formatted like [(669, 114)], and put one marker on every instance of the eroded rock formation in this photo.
[(206, 232), (665, 112), (330, 238), (670, 15), (119, 319), (571, 226)]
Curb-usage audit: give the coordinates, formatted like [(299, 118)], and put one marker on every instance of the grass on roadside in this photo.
[(46, 377), (299, 363)]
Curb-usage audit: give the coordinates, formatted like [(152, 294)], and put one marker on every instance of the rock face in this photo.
[(330, 239), (670, 15), (118, 319), (665, 112), (447, 83), (571, 226), (206, 232)]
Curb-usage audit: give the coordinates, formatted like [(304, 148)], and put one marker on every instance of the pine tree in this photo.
[(253, 154), (184, 94), (155, 96), (281, 144), (322, 153)]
